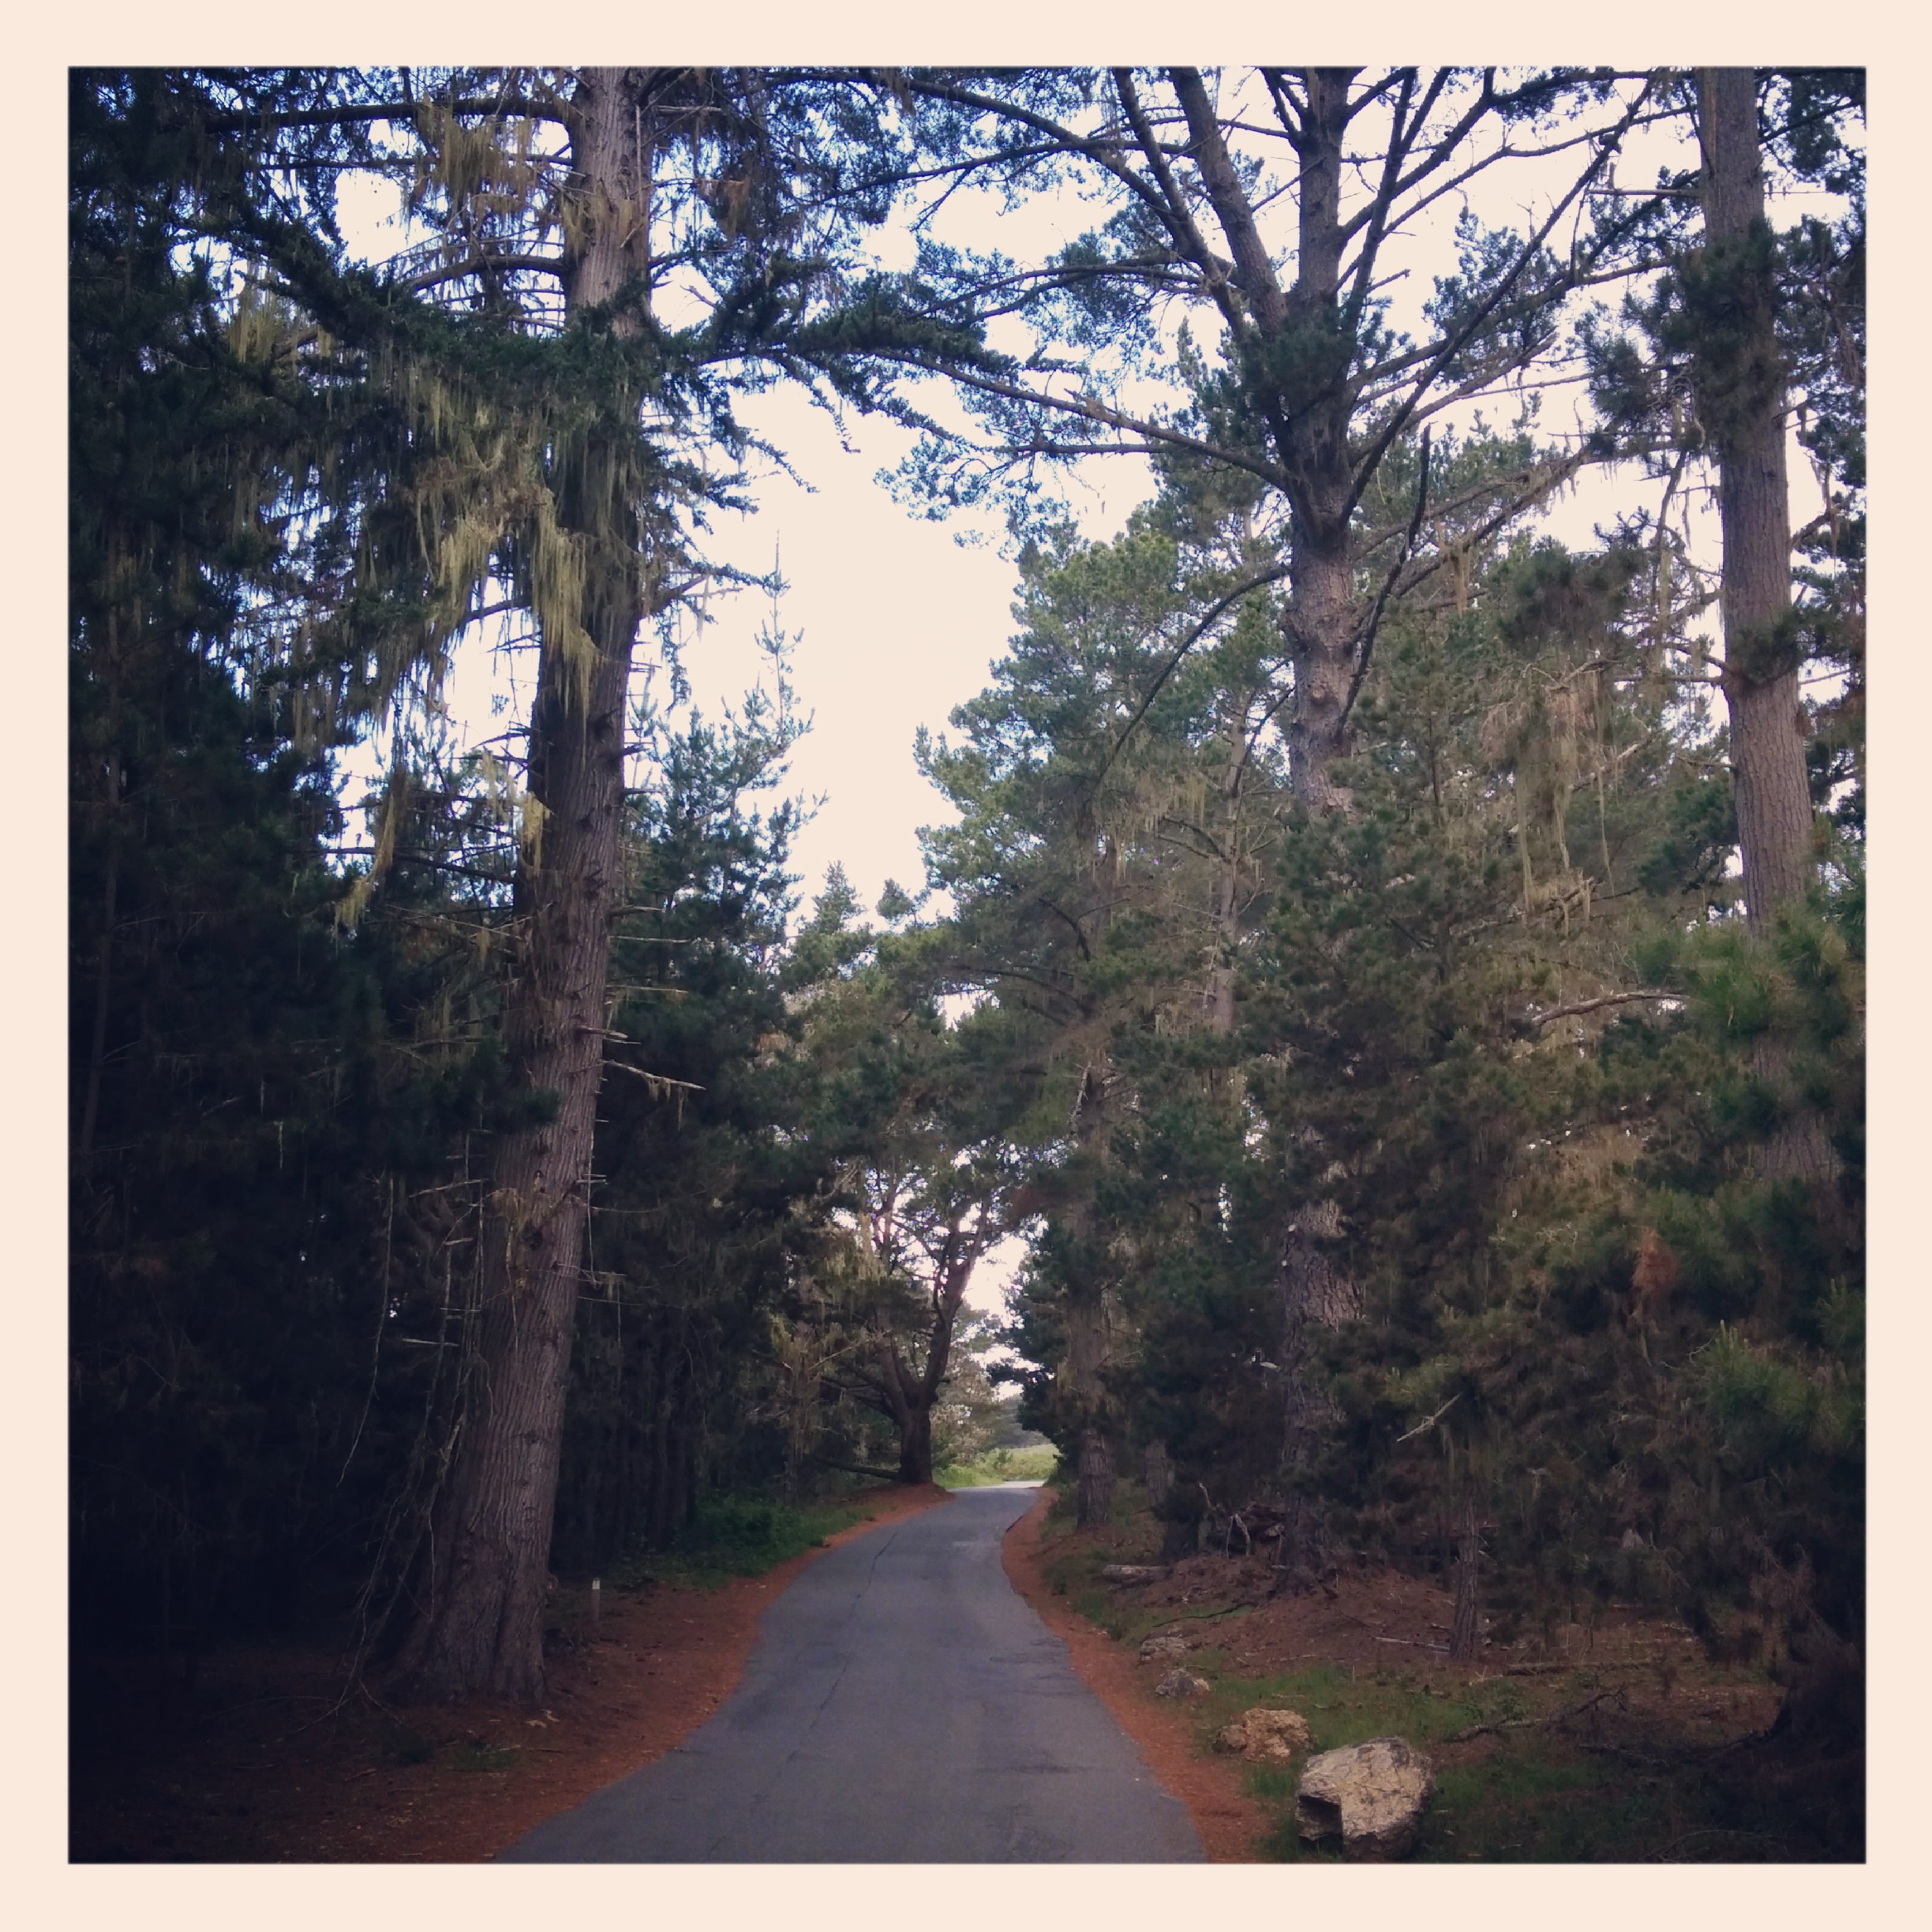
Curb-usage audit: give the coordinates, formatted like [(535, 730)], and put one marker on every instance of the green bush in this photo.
[(736, 1536), (1000, 1465)]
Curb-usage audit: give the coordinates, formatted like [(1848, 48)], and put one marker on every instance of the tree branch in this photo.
[(1591, 1006), (1264, 293), (1274, 575), (1458, 339), (1388, 584)]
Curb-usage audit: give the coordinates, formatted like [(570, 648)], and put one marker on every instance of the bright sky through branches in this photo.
[(898, 620)]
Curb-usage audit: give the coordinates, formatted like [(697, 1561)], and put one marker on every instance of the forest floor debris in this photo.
[(1618, 1741)]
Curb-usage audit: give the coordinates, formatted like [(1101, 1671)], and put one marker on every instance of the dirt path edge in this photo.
[(1230, 1823)]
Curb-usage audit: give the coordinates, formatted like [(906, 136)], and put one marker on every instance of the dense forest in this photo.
[(1401, 976)]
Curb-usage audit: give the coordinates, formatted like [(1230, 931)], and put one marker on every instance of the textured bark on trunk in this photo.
[(910, 1397), (1307, 415), (1465, 1621), (1080, 1387), (103, 994), (1746, 401), (480, 1623), (1094, 1502), (916, 1463), (1312, 440), (1309, 425), (1314, 1293), (1169, 1501), (103, 976), (910, 1408), (1158, 1468), (1742, 398), (1218, 1001)]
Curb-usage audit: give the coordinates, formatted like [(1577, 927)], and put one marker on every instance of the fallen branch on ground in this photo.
[(1532, 1724), (1198, 1616)]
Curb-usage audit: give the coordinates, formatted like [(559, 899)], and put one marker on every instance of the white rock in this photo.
[(1369, 1795)]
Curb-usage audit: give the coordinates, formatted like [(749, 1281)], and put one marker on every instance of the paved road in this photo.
[(902, 1704)]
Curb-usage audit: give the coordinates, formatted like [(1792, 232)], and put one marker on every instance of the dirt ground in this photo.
[(268, 1763), (1637, 1691), (1377, 1618)]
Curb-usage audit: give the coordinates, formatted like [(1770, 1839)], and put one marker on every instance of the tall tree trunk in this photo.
[(958, 1259), (899, 1392), (1309, 426), (1741, 399), (1298, 371), (104, 993), (1080, 1384), (1321, 626), (1219, 1002), (1314, 1294), (116, 778), (1312, 437), (1465, 1621), (916, 1462), (479, 1625)]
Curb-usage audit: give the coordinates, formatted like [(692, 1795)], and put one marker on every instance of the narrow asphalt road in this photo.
[(902, 1705)]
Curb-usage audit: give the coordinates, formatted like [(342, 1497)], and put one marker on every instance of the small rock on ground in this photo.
[(1160, 1649), (1181, 1683), (1264, 1736)]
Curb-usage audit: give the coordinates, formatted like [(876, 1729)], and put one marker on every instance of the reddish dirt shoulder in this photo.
[(1230, 1823), (268, 1764), (1651, 1690)]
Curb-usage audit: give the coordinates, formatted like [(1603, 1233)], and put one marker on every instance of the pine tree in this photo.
[(517, 352)]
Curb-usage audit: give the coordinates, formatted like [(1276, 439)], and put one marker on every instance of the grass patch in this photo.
[(736, 1536), (1000, 1465), (1532, 1796), (1543, 1793)]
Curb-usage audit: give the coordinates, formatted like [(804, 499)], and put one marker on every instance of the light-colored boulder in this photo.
[(1264, 1736), (1181, 1684), (1162, 1649), (1133, 1573), (1368, 1795)]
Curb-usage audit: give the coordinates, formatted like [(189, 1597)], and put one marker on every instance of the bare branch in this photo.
[(1388, 583), (1428, 1422), (1592, 1006)]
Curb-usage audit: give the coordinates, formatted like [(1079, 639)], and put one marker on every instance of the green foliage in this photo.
[(733, 1535), (999, 1466), (1549, 1229)]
